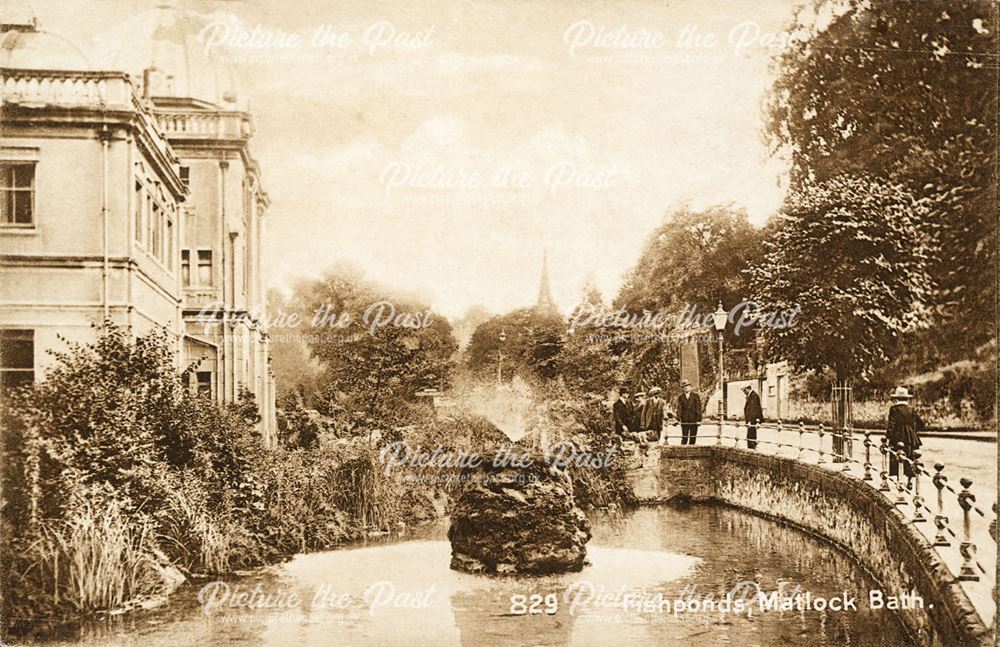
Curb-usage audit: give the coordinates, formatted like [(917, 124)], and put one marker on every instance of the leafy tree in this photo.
[(696, 259), (587, 364), (468, 322), (904, 90), (851, 255), (296, 371), (374, 347), (531, 346)]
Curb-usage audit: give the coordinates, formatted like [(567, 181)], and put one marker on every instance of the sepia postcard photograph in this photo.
[(499, 323)]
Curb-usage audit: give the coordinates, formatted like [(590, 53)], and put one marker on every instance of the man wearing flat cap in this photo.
[(638, 404), (652, 414), (753, 414), (689, 414)]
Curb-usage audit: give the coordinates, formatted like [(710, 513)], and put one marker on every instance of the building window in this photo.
[(186, 267), (170, 242), (156, 238), (203, 385), (185, 176), (17, 194), (140, 203), (17, 358), (204, 267)]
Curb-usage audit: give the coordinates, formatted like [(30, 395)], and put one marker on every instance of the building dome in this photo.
[(24, 46), (162, 47)]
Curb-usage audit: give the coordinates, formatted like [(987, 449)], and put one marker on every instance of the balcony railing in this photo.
[(56, 88), (209, 125), (77, 90)]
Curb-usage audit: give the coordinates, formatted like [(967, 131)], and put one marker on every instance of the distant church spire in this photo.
[(545, 302)]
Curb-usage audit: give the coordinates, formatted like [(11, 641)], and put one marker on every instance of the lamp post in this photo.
[(721, 316), (503, 338)]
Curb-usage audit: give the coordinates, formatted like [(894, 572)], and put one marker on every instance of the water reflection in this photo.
[(402, 593)]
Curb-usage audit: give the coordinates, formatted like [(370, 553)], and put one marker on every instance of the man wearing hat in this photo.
[(689, 414), (622, 411), (904, 423), (638, 403), (753, 414), (652, 414)]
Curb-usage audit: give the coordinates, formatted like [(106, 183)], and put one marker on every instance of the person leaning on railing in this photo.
[(903, 425)]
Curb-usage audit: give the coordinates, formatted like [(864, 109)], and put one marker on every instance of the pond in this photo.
[(399, 591)]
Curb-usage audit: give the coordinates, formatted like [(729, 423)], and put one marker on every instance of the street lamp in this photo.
[(721, 316), (503, 338)]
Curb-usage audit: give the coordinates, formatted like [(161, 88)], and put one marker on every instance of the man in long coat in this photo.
[(638, 404), (623, 413), (652, 414), (689, 414), (753, 414), (903, 425)]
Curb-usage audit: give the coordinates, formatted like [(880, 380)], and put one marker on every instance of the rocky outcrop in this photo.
[(517, 520)]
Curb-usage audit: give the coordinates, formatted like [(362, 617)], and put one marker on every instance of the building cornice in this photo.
[(90, 100)]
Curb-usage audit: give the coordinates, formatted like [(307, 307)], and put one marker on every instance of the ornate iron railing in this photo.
[(856, 454)]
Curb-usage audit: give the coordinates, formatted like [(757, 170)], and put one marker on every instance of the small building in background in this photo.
[(772, 386)]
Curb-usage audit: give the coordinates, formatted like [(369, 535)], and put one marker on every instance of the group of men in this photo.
[(640, 417)]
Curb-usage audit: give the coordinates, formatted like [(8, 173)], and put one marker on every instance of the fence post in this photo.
[(847, 442), (918, 500), (967, 573), (868, 456), (940, 520), (777, 443), (718, 433), (900, 500), (821, 459), (802, 429), (883, 449)]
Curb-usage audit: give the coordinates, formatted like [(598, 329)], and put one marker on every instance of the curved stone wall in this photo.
[(838, 508)]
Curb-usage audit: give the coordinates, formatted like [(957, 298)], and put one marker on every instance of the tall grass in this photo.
[(195, 541), (364, 492), (97, 559)]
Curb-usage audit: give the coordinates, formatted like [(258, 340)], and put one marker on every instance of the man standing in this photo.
[(904, 423), (652, 414), (638, 404), (753, 414), (689, 413), (623, 413)]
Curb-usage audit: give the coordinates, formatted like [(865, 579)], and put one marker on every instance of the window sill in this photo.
[(19, 231)]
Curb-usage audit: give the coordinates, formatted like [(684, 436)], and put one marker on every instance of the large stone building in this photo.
[(130, 193)]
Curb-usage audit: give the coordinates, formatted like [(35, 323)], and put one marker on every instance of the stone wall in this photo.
[(838, 508)]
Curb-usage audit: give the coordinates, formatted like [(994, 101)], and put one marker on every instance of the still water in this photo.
[(400, 591)]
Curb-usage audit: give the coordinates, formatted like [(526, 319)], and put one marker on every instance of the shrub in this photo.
[(112, 468)]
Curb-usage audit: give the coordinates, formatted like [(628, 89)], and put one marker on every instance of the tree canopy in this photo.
[(375, 347), (851, 254), (907, 91)]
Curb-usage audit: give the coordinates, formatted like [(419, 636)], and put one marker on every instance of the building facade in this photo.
[(130, 194)]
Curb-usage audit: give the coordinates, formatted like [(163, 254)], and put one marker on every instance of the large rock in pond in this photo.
[(517, 520)]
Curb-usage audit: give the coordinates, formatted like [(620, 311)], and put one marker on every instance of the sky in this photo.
[(442, 146)]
